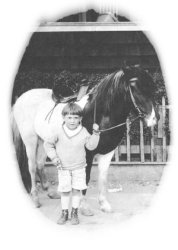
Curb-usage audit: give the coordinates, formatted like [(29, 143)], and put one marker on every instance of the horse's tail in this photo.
[(20, 154)]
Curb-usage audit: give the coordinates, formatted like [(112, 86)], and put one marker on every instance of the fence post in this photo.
[(142, 154), (163, 127), (116, 154), (152, 144), (128, 140)]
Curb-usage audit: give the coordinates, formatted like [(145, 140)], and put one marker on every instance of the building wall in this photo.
[(89, 51)]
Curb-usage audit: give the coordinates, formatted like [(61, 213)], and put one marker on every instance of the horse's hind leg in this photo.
[(103, 166), (31, 148), (40, 160)]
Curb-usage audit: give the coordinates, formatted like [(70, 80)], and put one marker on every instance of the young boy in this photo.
[(67, 152)]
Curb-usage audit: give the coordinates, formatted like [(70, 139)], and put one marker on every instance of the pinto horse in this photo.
[(108, 104)]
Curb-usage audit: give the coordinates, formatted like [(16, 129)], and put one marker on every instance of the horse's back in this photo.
[(26, 107), (33, 96), (35, 114)]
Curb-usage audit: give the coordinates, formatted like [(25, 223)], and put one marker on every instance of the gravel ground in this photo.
[(130, 192)]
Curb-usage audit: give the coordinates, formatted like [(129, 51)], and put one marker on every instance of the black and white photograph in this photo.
[(90, 126)]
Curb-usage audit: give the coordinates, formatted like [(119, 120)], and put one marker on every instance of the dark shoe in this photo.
[(64, 217), (74, 216)]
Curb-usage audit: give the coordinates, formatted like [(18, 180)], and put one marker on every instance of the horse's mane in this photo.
[(114, 87)]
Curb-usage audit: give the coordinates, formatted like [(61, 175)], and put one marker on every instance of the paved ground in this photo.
[(130, 191)]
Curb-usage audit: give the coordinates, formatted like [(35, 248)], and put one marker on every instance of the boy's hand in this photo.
[(96, 128)]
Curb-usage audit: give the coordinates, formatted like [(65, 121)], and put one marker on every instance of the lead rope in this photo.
[(119, 125), (94, 118)]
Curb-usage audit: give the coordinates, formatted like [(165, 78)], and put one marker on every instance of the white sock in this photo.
[(76, 200), (65, 201)]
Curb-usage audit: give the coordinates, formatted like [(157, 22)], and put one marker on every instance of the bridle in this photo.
[(141, 115)]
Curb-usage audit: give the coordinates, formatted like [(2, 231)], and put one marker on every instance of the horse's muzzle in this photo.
[(151, 119)]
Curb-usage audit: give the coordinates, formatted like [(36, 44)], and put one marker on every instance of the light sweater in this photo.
[(71, 149)]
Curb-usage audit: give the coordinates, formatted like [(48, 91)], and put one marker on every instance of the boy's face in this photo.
[(72, 121)]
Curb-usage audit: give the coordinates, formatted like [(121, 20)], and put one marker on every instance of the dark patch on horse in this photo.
[(113, 105)]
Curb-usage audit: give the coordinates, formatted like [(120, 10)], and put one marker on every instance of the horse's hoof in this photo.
[(54, 195), (37, 204), (105, 207), (106, 210), (35, 199), (86, 212), (85, 208)]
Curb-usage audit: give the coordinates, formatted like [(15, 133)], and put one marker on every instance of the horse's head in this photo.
[(140, 89)]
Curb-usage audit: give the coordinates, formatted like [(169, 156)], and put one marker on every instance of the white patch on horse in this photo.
[(83, 101), (103, 167), (151, 120)]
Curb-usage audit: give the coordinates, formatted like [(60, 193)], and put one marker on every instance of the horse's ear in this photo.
[(137, 66), (126, 70)]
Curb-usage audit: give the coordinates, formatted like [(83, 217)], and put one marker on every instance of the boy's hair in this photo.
[(72, 109)]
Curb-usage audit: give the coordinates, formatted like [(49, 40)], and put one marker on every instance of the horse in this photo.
[(108, 104)]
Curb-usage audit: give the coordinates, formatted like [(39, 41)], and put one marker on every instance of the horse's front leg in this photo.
[(103, 166), (84, 206)]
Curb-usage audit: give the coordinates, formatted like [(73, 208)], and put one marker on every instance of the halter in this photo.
[(141, 115)]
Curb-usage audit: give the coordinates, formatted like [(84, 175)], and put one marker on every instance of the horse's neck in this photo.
[(121, 113), (118, 112)]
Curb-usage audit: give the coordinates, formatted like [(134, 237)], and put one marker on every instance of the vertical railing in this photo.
[(157, 151), (142, 151), (163, 128), (128, 140), (152, 144)]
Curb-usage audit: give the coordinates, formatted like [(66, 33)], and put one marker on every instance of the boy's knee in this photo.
[(65, 193), (75, 191)]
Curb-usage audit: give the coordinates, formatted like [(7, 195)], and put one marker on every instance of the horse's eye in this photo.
[(133, 81), (132, 84)]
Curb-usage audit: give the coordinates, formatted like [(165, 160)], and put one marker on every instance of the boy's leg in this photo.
[(76, 195), (65, 197), (78, 184), (64, 187)]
